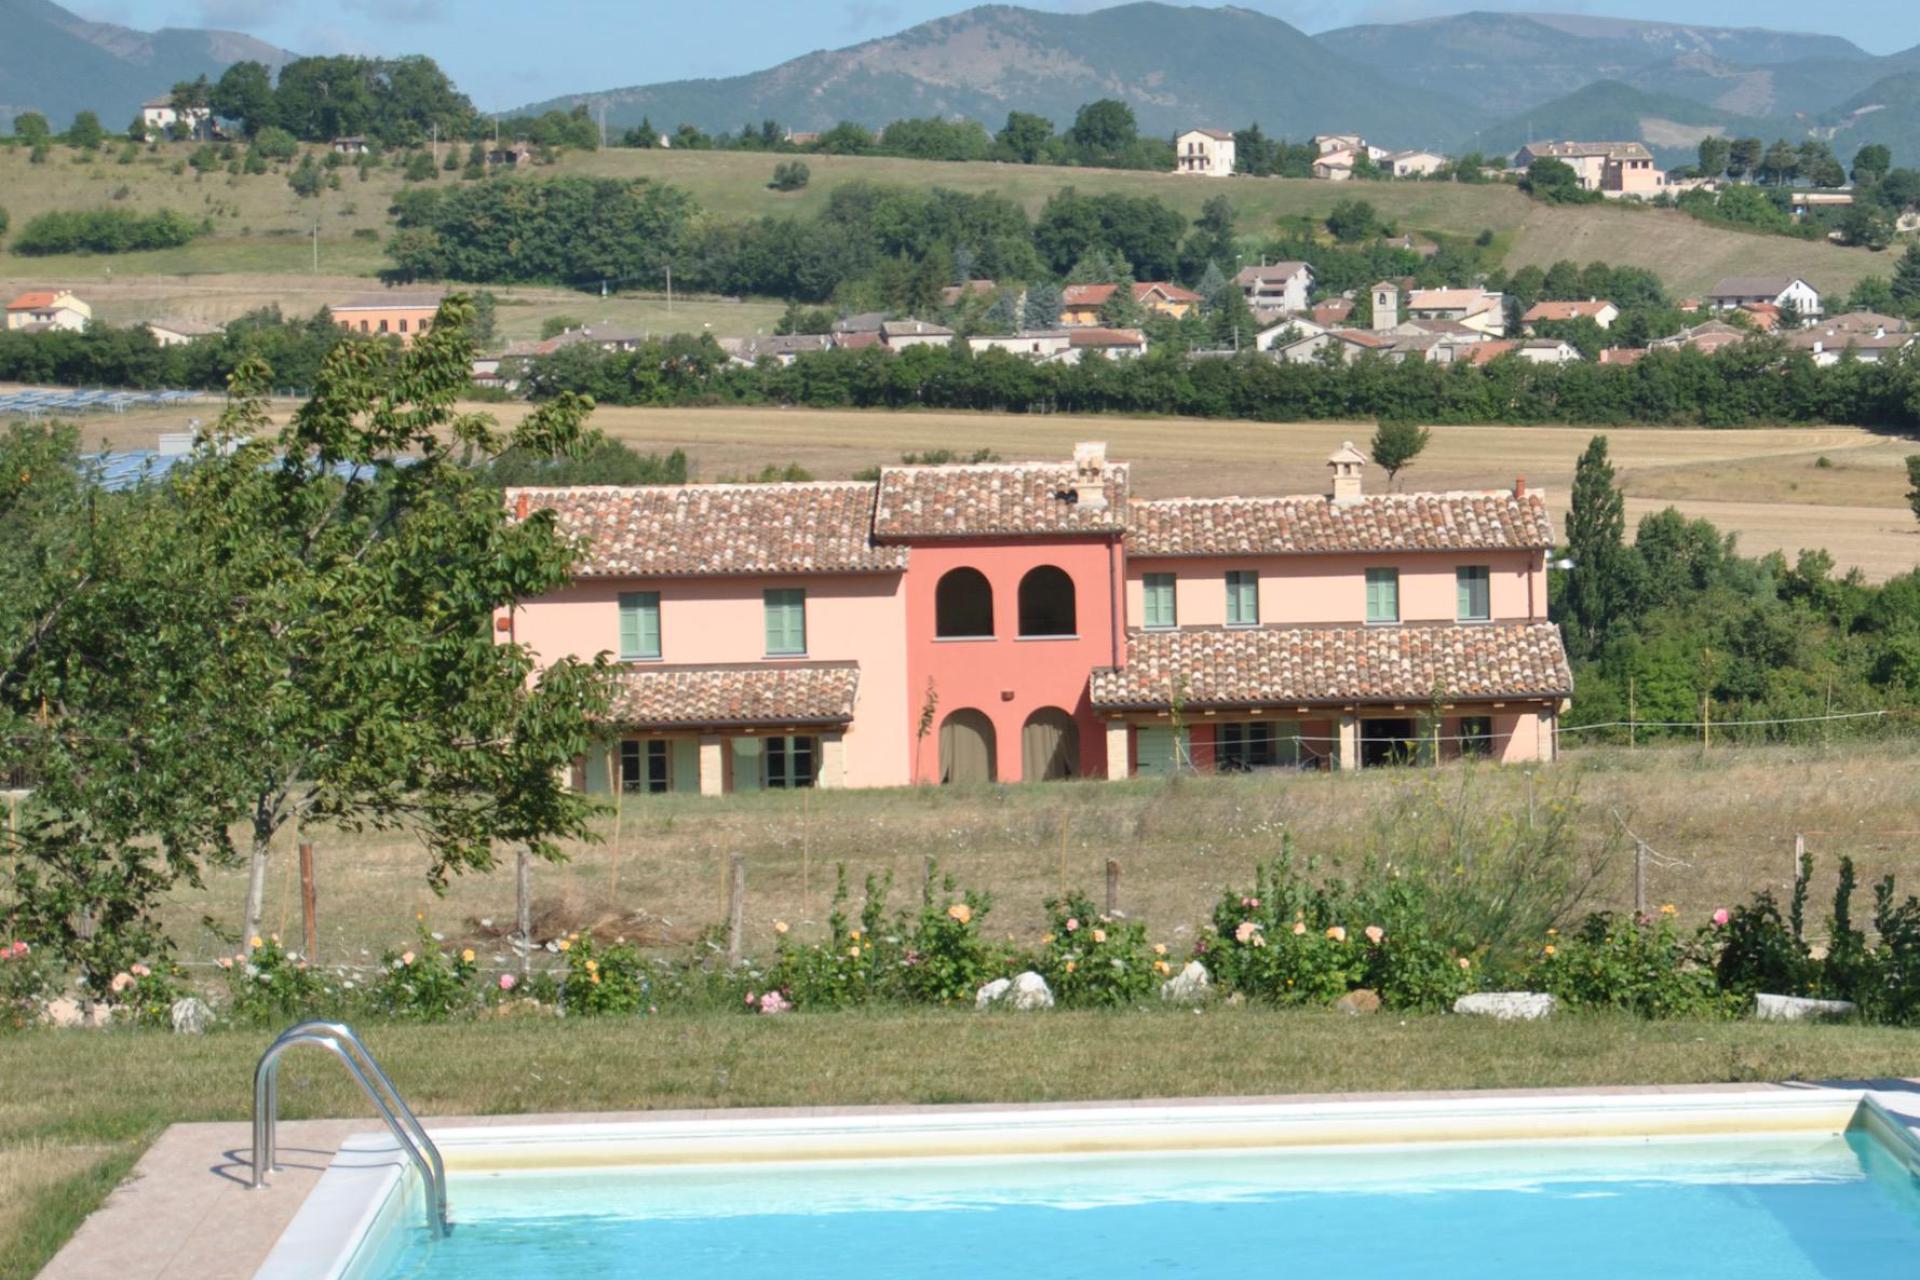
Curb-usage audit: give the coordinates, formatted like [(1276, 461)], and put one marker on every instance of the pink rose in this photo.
[(1246, 931), (1072, 924), (1299, 927), (1375, 933), (121, 981), (139, 971), (1720, 917), (506, 982)]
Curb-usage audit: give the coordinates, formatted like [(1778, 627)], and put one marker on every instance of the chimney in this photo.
[(1519, 486), (1090, 474), (1347, 463), (519, 506)]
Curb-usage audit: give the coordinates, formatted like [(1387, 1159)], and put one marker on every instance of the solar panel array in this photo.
[(40, 402)]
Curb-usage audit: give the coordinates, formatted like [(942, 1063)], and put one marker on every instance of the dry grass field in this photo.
[(1721, 828), (262, 228), (1766, 485)]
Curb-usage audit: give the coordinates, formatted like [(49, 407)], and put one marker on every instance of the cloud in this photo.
[(408, 11), (870, 15)]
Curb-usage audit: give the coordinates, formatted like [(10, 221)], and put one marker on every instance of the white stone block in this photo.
[(1507, 1005)]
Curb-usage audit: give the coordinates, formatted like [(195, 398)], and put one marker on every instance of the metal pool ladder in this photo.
[(339, 1039)]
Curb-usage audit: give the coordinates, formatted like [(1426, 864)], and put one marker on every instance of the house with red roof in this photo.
[(1030, 621), (1081, 304), (41, 310), (1599, 310)]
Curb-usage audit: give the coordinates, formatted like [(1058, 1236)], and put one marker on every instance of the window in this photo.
[(403, 324), (786, 622), (1047, 605), (639, 625), (1255, 744), (789, 761), (1157, 601), (1474, 591), (1383, 595), (646, 766), (963, 605), (1243, 598), (1476, 736), (383, 326)]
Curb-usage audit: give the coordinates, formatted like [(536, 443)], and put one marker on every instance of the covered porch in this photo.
[(717, 729)]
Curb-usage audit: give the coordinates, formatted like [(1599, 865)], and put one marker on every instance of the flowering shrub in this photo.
[(1294, 963), (268, 985), (425, 983), (1412, 971), (144, 994), (598, 982), (946, 959), (25, 985), (858, 963), (1093, 959), (1643, 966)]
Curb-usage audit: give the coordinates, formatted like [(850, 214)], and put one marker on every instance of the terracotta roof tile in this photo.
[(33, 300), (735, 694), (1096, 336), (1086, 295), (1301, 666), (1315, 524), (649, 531), (1571, 309), (1018, 498)]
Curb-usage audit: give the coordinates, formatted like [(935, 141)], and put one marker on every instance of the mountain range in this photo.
[(1489, 81), (1469, 81), (58, 63)]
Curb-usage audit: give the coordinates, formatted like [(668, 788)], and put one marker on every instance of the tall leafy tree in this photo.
[(1743, 157), (1596, 531), (1905, 285), (1714, 152), (1025, 136), (1396, 443), (1104, 128), (299, 630), (1870, 163), (244, 93)]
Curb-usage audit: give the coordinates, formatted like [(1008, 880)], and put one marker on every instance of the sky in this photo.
[(506, 53)]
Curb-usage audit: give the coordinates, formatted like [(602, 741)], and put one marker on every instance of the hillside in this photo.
[(1670, 125), (1176, 67), (1886, 112), (58, 63)]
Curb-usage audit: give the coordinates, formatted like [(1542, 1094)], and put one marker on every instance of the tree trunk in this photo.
[(256, 883), (523, 908)]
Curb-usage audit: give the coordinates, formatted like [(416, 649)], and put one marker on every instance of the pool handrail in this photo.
[(341, 1040)]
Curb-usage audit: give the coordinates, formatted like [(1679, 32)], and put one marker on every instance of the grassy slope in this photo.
[(69, 1097), (262, 226)]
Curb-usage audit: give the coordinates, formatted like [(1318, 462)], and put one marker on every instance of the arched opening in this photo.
[(1046, 602), (963, 605), (967, 748), (1049, 746)]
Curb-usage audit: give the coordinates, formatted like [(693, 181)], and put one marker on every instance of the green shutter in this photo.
[(786, 621), (1383, 595), (1474, 593), (639, 624), (746, 764), (1243, 598), (1155, 751), (1157, 598), (686, 766)]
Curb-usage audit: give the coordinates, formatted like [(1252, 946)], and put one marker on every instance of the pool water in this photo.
[(1770, 1208)]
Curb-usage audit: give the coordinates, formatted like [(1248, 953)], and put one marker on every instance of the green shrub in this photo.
[(1760, 953), (603, 982), (270, 985), (425, 983), (1638, 966), (1413, 971), (790, 175), (104, 231), (946, 959), (25, 983), (1261, 955), (144, 994), (274, 144), (1092, 959)]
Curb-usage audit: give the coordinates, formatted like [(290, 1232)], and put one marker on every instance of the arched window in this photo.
[(1046, 602), (1049, 746), (967, 752), (963, 605)]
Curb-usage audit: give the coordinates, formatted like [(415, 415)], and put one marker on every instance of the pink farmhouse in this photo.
[(1033, 621)]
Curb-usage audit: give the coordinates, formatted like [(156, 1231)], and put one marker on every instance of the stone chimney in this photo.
[(1519, 486), (1386, 305), (1090, 474), (1347, 463)]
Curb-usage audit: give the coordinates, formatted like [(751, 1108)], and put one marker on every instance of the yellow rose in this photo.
[(960, 911), (1160, 966), (1549, 949), (1159, 948), (566, 945), (595, 978), (779, 926), (1338, 933), (854, 951), (1070, 966), (1099, 935), (466, 957), (254, 941), (593, 966), (1046, 939), (1668, 909)]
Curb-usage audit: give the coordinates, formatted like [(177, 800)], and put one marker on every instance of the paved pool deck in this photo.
[(186, 1211)]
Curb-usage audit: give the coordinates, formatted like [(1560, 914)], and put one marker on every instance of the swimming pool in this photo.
[(1778, 1184)]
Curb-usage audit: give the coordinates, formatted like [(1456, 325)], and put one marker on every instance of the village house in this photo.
[(1283, 329), (39, 310), (1623, 356), (405, 314), (1473, 309), (1327, 143), (1860, 335), (1345, 345), (954, 294), (179, 333), (1206, 153), (1081, 304), (1334, 166), (1280, 284), (1044, 346), (1707, 338), (1547, 351), (1598, 310), (782, 349), (1331, 313), (1413, 164), (158, 116), (1096, 342), (898, 335), (1778, 291), (1034, 621), (1614, 169)]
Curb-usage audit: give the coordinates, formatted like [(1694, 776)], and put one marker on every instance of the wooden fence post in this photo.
[(736, 908), (309, 927), (1639, 877), (1113, 886), (1632, 714), (523, 907)]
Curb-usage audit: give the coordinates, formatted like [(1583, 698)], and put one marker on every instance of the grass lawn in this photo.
[(79, 1106)]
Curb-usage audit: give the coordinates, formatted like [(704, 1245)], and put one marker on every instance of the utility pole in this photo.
[(669, 288)]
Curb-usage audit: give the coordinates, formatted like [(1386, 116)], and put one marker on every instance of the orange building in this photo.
[(403, 314)]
